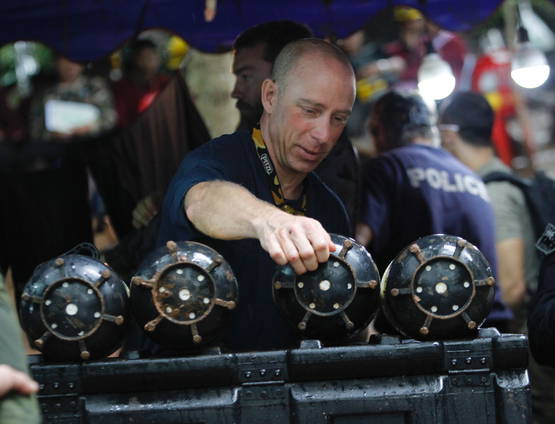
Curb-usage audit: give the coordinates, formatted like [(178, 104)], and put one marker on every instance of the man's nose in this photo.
[(237, 92), (322, 130)]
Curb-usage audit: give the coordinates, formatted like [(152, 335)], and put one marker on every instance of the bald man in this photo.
[(253, 196)]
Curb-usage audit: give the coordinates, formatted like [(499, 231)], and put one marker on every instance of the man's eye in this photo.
[(310, 112), (340, 119)]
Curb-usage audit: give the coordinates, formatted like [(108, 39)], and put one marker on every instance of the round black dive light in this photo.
[(182, 294), (74, 307), (439, 287), (336, 300)]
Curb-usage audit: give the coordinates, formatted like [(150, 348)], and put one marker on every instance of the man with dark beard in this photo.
[(256, 50)]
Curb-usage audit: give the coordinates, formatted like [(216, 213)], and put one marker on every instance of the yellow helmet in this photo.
[(406, 14)]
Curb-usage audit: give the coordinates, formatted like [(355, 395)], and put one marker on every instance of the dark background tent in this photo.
[(90, 29), (48, 210)]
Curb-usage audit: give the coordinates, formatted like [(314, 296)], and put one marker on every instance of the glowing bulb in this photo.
[(435, 78), (529, 67)]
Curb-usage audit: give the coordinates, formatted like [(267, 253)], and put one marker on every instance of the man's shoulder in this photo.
[(227, 140), (225, 146), (401, 158)]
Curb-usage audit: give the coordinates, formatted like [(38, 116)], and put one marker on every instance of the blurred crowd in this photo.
[(399, 150)]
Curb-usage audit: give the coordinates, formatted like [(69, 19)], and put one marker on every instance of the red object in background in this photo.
[(449, 46), (132, 99), (492, 77)]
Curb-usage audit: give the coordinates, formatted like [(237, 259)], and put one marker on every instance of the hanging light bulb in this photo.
[(529, 67), (435, 77)]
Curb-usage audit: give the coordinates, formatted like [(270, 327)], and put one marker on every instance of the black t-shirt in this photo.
[(256, 322)]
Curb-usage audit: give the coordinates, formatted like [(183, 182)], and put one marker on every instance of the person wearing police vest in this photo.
[(414, 188), (252, 194)]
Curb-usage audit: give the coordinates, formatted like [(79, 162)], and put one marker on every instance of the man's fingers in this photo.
[(322, 245), (150, 206), (12, 379), (305, 248), (24, 384), (272, 246), (144, 212), (291, 251)]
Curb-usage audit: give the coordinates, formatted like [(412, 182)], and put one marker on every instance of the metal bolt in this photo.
[(56, 385), (248, 374), (483, 361), (468, 360), (454, 362), (277, 372), (262, 372)]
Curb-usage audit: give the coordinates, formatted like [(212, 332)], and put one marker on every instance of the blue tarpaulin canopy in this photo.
[(90, 29)]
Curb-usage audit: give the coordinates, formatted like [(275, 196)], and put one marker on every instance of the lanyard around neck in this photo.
[(273, 180)]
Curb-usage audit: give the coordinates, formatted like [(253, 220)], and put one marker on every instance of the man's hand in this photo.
[(145, 211), (302, 242), (228, 211), (11, 379)]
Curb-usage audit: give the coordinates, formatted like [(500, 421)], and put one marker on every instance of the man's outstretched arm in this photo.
[(227, 211)]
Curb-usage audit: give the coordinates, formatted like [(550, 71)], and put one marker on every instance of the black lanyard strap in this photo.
[(273, 180)]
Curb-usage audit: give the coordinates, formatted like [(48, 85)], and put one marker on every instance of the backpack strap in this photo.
[(499, 176)]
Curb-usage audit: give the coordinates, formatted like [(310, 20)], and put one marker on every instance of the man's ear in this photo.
[(449, 140), (268, 92)]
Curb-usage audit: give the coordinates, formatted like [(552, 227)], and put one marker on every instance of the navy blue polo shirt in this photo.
[(256, 322), (417, 190)]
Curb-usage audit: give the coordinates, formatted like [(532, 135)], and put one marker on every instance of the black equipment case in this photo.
[(390, 381)]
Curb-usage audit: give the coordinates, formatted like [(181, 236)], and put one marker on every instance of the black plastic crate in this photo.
[(477, 381)]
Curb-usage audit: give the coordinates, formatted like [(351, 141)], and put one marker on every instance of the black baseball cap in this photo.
[(471, 113)]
